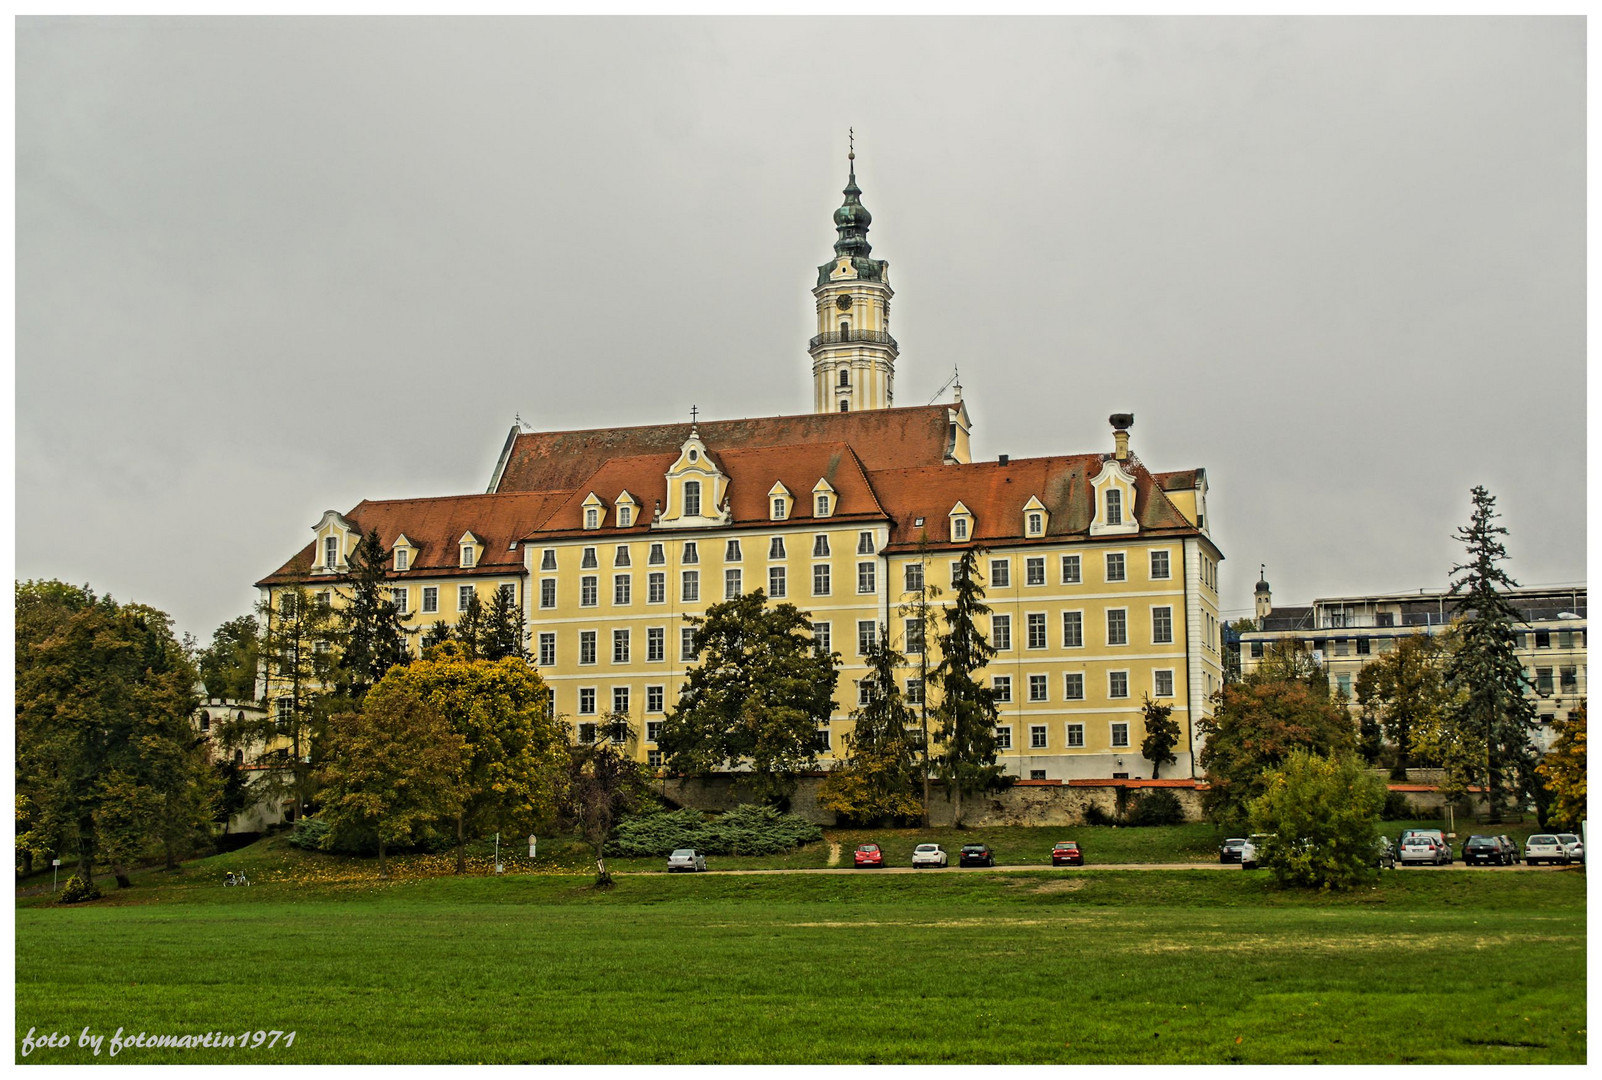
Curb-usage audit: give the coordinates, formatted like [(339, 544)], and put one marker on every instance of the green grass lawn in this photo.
[(1036, 966)]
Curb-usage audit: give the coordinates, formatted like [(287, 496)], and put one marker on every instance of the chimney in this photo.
[(1121, 423), (1001, 460)]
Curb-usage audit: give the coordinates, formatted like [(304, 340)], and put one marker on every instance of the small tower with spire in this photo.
[(1262, 595), (853, 354)]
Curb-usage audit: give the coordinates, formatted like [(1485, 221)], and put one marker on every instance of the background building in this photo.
[(1346, 632)]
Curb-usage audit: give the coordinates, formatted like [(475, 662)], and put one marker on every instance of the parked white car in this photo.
[(929, 855), (1545, 848), (1573, 846), (1249, 851), (687, 859)]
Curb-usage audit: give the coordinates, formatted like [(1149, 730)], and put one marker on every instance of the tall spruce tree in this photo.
[(920, 606), (1484, 670), (967, 710), (504, 632), (374, 631), (877, 777), (300, 640)]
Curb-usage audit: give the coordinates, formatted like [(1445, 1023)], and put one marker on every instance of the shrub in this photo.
[(77, 890), (311, 834), (745, 830), (1095, 815), (1158, 807), (1397, 808), (1321, 815)]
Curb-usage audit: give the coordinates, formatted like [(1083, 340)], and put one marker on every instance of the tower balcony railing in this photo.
[(847, 337)]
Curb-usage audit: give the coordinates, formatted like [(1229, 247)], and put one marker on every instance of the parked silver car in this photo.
[(1573, 846), (1545, 848), (929, 855), (687, 859), (1424, 846)]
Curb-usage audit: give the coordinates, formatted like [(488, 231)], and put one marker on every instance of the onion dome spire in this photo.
[(852, 219)]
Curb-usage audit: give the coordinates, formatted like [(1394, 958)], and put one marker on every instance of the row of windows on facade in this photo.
[(1367, 646), (1035, 636), (822, 575), (467, 559), (1038, 691), (824, 504), (1073, 737)]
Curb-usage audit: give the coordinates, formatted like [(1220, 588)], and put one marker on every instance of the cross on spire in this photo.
[(694, 412)]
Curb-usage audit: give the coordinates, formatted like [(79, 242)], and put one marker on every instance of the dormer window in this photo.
[(823, 506), (692, 495), (625, 516), (402, 558), (822, 499), (467, 555), (1034, 517), (1115, 507), (959, 528), (778, 508), (961, 519), (592, 518), (330, 552)]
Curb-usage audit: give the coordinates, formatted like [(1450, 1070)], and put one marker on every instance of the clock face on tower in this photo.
[(843, 303)]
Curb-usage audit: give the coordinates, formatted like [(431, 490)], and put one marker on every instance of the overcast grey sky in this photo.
[(269, 267)]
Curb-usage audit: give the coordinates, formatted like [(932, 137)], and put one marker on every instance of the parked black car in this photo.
[(1491, 850), (975, 855)]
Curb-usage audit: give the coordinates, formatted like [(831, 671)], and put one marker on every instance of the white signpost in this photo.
[(55, 870), (532, 845)]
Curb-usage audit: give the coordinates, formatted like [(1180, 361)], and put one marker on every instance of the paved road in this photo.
[(1037, 866)]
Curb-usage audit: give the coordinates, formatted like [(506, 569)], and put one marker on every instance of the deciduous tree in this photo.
[(1256, 725), (1563, 771), (876, 777), (1162, 735), (967, 710), (392, 764), (229, 665), (604, 782), (515, 751), (756, 697), (1484, 671), (1321, 816), (1404, 692), (108, 761)]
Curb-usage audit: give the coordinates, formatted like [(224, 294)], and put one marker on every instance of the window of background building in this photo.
[(776, 547), (1070, 569), (1115, 566), (1037, 688), (866, 582), (1076, 736), (776, 582), (656, 587), (587, 705), (692, 554), (820, 546), (1159, 565), (820, 579), (731, 584), (820, 637), (1117, 626), (731, 551), (1163, 683), (1001, 632), (913, 636), (1000, 573), (1002, 685), (588, 590), (1003, 737), (586, 646), (622, 589), (430, 599), (914, 577), (1162, 625), (657, 557), (1120, 734), (1074, 686), (655, 644), (1035, 570), (1118, 684), (1035, 623), (1037, 739), (865, 635), (655, 699), (690, 586), (547, 649), (687, 643)]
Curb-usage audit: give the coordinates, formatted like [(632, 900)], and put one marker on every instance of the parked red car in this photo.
[(869, 855), (1067, 853)]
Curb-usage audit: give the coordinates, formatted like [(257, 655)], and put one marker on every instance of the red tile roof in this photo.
[(752, 474), (882, 438), (435, 525), (995, 494)]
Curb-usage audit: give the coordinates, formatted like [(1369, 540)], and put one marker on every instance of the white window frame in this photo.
[(1168, 564), (690, 586), (590, 590), (401, 597), (1111, 685), (1001, 685), (1122, 635), (548, 559), (1043, 683), (430, 600), (622, 590), (622, 645), (1074, 735), (1001, 632), (1001, 573), (547, 648), (547, 592), (822, 575), (1037, 737), (1157, 690), (1003, 736), (1071, 681), (1115, 729), (867, 634), (1123, 566), (1166, 612), (655, 644), (464, 596), (1034, 570), (1078, 624), (656, 587), (867, 579), (591, 640), (733, 581), (777, 585), (1033, 621)]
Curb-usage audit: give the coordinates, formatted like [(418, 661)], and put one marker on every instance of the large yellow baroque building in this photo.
[(1101, 574)]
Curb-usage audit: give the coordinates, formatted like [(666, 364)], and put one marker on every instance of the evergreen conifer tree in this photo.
[(967, 710), (374, 631), (1484, 670)]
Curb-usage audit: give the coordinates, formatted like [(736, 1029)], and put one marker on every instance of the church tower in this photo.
[(853, 354)]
